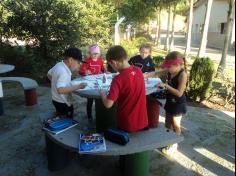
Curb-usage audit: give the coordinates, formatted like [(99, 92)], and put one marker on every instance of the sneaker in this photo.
[(169, 150)]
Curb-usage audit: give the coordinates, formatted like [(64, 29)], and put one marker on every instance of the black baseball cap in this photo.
[(74, 53)]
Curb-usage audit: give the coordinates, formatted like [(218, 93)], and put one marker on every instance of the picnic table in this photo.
[(106, 118), (134, 156), (4, 68)]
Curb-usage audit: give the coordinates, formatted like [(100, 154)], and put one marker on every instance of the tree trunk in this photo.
[(202, 49), (159, 29), (230, 21), (168, 30), (189, 35), (172, 40)]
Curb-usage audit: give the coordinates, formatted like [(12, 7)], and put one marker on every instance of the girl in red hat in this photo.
[(175, 106)]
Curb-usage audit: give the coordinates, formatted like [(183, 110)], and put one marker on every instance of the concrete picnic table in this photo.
[(106, 118), (134, 156), (4, 68)]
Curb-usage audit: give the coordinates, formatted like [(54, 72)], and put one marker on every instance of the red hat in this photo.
[(169, 62)]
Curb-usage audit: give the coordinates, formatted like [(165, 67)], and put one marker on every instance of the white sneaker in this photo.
[(170, 149)]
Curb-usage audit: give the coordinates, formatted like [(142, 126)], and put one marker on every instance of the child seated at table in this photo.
[(60, 77), (92, 65), (144, 60), (128, 90)]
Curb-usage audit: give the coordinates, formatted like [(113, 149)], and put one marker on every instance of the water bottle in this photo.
[(104, 78)]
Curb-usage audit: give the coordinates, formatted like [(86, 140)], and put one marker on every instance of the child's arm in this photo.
[(149, 74), (49, 74), (49, 77), (107, 103), (182, 86), (66, 90), (84, 69)]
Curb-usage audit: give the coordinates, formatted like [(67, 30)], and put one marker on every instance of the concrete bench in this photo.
[(29, 86), (135, 154)]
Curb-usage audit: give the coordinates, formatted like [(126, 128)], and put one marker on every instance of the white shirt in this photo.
[(61, 77)]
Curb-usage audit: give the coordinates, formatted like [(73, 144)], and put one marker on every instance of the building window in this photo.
[(223, 27)]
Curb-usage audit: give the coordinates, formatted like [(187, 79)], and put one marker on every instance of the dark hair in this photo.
[(117, 53), (176, 55), (147, 46), (75, 53)]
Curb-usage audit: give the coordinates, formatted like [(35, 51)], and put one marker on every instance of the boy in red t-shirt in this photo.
[(128, 89), (93, 65)]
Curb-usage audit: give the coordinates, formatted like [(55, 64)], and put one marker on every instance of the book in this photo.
[(92, 143), (58, 125)]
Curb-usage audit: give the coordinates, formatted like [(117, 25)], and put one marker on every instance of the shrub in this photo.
[(201, 78), (27, 61), (132, 47), (158, 60)]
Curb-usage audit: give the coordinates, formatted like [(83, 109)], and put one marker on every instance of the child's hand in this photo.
[(160, 86), (88, 72), (82, 85)]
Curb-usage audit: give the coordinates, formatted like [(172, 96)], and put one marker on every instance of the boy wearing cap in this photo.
[(60, 77), (92, 65)]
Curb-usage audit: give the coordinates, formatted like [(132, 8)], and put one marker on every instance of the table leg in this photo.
[(58, 157), (136, 164), (105, 118)]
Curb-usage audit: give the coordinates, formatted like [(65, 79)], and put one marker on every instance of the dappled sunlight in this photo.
[(190, 164), (212, 156)]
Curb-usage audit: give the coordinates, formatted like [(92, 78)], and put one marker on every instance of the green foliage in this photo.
[(137, 11), (158, 60), (27, 61), (53, 25), (201, 77), (132, 47)]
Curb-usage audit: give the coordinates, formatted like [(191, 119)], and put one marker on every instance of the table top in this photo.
[(139, 142), (95, 82), (4, 68)]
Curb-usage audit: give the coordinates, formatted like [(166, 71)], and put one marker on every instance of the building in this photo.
[(217, 26)]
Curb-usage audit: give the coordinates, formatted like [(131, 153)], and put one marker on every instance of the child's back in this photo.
[(128, 88)]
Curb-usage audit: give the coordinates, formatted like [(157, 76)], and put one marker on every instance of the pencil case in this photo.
[(117, 136), (59, 124)]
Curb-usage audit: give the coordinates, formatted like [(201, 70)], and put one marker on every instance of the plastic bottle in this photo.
[(104, 78)]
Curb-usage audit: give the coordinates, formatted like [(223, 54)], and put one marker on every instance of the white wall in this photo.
[(218, 15)]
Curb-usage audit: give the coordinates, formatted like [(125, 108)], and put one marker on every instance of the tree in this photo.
[(52, 25), (189, 34), (171, 47), (203, 45), (158, 32), (167, 45), (137, 11), (230, 21)]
